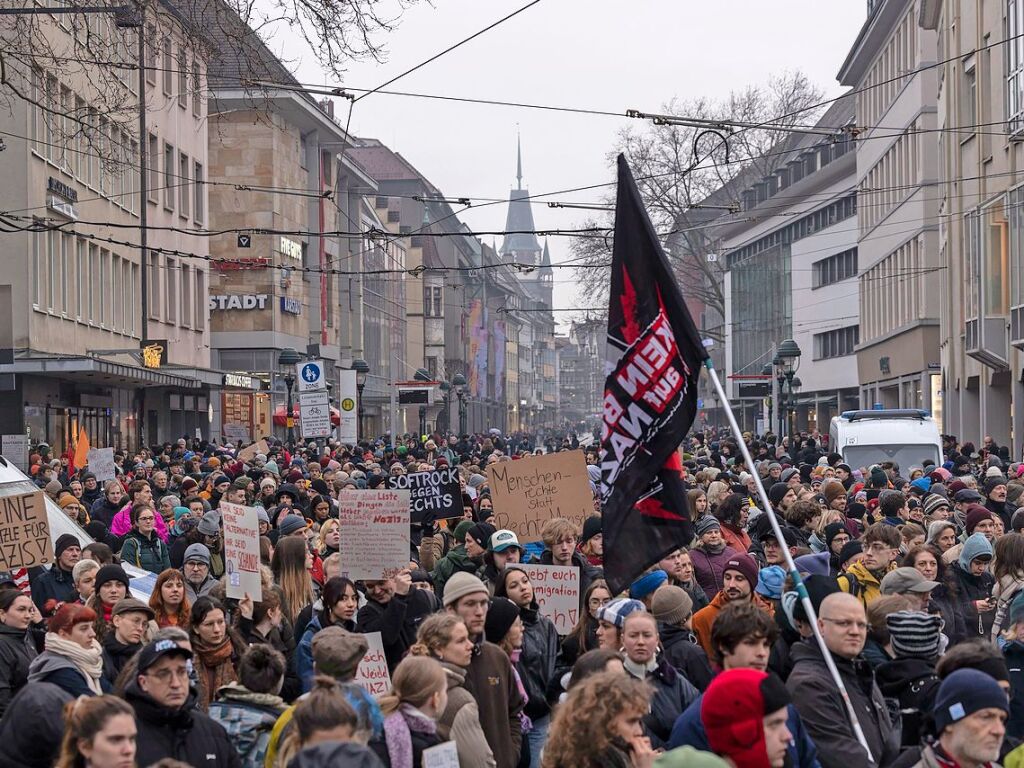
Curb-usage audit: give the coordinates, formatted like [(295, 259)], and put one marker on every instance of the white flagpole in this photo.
[(799, 586)]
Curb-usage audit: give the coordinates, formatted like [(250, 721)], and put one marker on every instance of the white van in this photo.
[(905, 436)]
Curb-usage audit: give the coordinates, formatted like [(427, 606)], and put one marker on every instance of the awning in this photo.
[(95, 370)]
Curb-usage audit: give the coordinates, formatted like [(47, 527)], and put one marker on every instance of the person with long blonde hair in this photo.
[(99, 732), (291, 564), (169, 601), (418, 697)]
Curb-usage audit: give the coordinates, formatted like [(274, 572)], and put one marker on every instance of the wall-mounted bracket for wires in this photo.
[(725, 126)]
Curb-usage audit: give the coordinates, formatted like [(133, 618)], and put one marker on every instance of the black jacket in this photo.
[(679, 648), (116, 655), (397, 621), (183, 734), (30, 736), (944, 601), (53, 583), (104, 511), (1014, 653), (281, 639), (969, 589), (673, 693), (914, 684), (536, 665), (332, 754), (16, 653)]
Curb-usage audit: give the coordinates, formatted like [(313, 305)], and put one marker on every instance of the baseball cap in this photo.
[(153, 652), (906, 579), (504, 539)]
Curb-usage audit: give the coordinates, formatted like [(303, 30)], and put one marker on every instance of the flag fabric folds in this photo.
[(81, 455), (654, 357)]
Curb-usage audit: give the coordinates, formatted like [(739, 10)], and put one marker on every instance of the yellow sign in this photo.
[(152, 354), (348, 404)]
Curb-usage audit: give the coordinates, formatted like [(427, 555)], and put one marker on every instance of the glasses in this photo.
[(879, 547), (600, 600), (147, 519), (860, 626)]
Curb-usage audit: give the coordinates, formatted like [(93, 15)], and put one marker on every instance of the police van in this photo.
[(908, 437)]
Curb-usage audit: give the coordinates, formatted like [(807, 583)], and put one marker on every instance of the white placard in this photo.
[(556, 588), (443, 755), (309, 376), (374, 533), (236, 431), (101, 463), (348, 405), (15, 450), (372, 673), (314, 414), (241, 551)]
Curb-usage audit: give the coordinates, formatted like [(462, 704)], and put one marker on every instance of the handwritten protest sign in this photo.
[(101, 463), (248, 453), (241, 551), (433, 495), (529, 492), (24, 531), (444, 755), (556, 588), (372, 673), (374, 529)]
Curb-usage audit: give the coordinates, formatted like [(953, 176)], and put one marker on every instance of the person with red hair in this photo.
[(73, 658), (169, 601)]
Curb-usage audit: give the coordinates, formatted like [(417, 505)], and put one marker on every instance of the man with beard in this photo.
[(970, 720), (738, 581), (994, 491)]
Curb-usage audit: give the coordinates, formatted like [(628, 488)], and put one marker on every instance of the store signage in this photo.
[(240, 380), (291, 306), (246, 301), (241, 262), (154, 353), (291, 249), (60, 188)]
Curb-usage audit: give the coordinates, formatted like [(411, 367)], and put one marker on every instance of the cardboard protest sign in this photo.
[(556, 588), (434, 495), (374, 530), (443, 755), (248, 453), (24, 531), (529, 492), (241, 551), (372, 673), (101, 463)]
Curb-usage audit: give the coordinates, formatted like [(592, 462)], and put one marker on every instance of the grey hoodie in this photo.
[(331, 754)]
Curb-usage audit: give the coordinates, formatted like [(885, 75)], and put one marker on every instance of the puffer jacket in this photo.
[(248, 718), (16, 653), (673, 693), (680, 649), (149, 553), (122, 523), (709, 568), (969, 589), (537, 659)]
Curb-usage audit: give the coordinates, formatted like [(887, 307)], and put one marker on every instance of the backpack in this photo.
[(249, 727)]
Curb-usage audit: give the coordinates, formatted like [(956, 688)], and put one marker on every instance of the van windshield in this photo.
[(905, 456)]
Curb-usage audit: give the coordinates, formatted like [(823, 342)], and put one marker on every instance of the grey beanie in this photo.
[(210, 524), (198, 552)]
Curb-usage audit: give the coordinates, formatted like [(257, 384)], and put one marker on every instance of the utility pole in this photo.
[(143, 180), (775, 398)]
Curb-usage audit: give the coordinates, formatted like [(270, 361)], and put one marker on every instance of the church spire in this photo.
[(519, 162)]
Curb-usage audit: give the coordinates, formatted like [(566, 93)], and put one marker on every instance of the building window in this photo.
[(134, 280), (199, 209), (153, 279), (182, 77), (197, 96), (170, 189), (172, 292), (200, 302), (1015, 65), (153, 163), (151, 46), (106, 302), (67, 255), (432, 302), (841, 266), (186, 296), (168, 66), (836, 343), (116, 293), (184, 191), (969, 95), (92, 280), (38, 271)]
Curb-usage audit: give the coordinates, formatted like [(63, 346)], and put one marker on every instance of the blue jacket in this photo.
[(689, 730), (304, 651)]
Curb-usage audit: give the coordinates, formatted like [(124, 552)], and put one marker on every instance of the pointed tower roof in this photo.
[(519, 162), (545, 260), (520, 219)]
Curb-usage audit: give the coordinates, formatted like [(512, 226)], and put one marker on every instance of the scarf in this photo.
[(88, 661), (217, 668), (640, 671), (398, 728), (525, 723), (714, 550)]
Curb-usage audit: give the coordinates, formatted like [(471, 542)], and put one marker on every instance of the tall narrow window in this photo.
[(1015, 65), (38, 267), (184, 188), (200, 302), (153, 163), (91, 280), (199, 209), (116, 293), (103, 282), (172, 292), (170, 189), (197, 94), (186, 296), (182, 65), (168, 66), (67, 255), (153, 278), (152, 43)]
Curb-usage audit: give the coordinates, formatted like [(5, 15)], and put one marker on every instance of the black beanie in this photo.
[(111, 572), (831, 531), (850, 549), (501, 615), (777, 492), (63, 542), (481, 533), (591, 527)]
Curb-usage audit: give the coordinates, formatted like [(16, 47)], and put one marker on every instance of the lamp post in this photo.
[(422, 374), (287, 359), (362, 369), (446, 398), (459, 382), (786, 362)]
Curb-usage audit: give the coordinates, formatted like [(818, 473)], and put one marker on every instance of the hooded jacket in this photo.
[(397, 621), (537, 659), (704, 618), (456, 560), (460, 722), (824, 715), (248, 718), (50, 667), (971, 588), (53, 583), (491, 680), (680, 649), (864, 585), (122, 523), (330, 754), (16, 653)]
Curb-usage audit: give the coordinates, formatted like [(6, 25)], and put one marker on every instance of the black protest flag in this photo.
[(654, 359)]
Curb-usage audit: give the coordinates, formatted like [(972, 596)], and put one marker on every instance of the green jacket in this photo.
[(150, 554), (456, 560)]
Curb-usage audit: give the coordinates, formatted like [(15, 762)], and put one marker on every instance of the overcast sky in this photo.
[(597, 54)]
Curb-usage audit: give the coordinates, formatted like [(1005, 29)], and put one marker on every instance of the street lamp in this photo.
[(288, 359), (786, 362), (422, 374), (362, 369), (446, 398), (459, 382)]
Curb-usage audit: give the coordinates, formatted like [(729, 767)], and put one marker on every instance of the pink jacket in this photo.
[(122, 523)]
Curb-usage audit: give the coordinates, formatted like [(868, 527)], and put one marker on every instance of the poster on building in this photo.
[(499, 360), (432, 495), (241, 551), (374, 530), (529, 492), (556, 588), (314, 414), (348, 405), (372, 673), (15, 450), (24, 531), (101, 463), (477, 331)]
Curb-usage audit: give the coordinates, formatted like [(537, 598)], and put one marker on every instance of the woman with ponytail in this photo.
[(99, 732), (418, 697)]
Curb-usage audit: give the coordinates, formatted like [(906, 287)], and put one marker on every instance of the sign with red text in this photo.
[(24, 531), (556, 588), (374, 530), (529, 492), (241, 551), (372, 673)]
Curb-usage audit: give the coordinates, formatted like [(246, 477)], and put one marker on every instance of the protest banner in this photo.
[(529, 492), (433, 495), (101, 463), (248, 453), (374, 530), (24, 531), (372, 673), (556, 588), (444, 755), (241, 551)]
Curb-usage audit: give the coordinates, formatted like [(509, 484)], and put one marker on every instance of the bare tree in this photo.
[(678, 169)]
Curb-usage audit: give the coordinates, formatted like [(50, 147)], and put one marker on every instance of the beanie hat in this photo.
[(460, 585), (64, 542), (922, 485), (290, 524), (262, 516), (832, 490), (647, 584), (831, 531), (743, 564), (501, 615), (66, 500), (878, 478), (975, 514), (591, 528), (991, 483), (777, 492), (770, 581), (481, 533), (53, 488), (935, 529), (914, 634), (818, 564), (934, 503), (616, 611), (210, 524), (976, 546), (850, 549), (462, 529), (110, 572), (671, 604), (198, 552), (705, 524), (818, 588), (733, 711), (337, 652), (787, 474), (965, 692)]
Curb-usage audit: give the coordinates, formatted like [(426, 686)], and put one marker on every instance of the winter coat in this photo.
[(53, 583), (537, 659), (115, 655), (104, 511), (16, 653), (864, 585), (704, 618), (205, 589), (969, 589), (422, 735), (148, 553), (456, 560), (688, 730), (460, 722), (121, 525), (943, 601), (397, 621), (248, 718), (184, 734), (281, 639), (31, 735), (914, 684), (304, 653), (1014, 654), (50, 667), (673, 693), (825, 716), (492, 682), (679, 648), (736, 538), (709, 569), (1004, 590), (697, 594)]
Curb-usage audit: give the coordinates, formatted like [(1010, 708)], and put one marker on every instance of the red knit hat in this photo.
[(975, 514), (733, 712)]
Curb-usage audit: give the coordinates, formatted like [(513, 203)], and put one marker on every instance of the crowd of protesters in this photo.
[(915, 574)]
